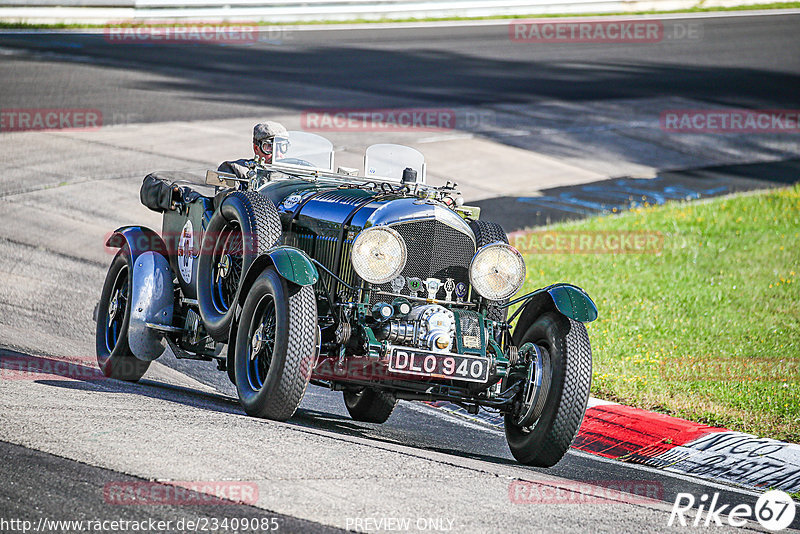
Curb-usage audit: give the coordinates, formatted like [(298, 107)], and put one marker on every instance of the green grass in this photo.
[(697, 9), (708, 328)]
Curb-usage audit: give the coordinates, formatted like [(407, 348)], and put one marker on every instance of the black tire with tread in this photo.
[(369, 405), (550, 437), (294, 353), (257, 217), (119, 363)]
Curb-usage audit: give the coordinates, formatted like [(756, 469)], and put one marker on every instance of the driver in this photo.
[(264, 134)]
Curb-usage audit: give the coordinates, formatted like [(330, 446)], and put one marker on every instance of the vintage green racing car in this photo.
[(375, 284)]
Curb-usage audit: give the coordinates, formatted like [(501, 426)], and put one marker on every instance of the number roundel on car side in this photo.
[(185, 252)]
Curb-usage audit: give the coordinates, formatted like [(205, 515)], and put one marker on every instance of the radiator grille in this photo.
[(434, 250), (323, 249)]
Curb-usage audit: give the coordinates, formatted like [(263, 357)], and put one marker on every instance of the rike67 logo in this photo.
[(774, 510)]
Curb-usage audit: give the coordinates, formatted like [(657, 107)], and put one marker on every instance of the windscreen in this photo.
[(303, 148), (389, 161)]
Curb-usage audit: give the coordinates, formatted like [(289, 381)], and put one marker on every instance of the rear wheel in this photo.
[(369, 405), (566, 344), (114, 356), (488, 232), (275, 347)]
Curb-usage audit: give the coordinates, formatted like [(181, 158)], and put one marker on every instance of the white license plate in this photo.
[(438, 365)]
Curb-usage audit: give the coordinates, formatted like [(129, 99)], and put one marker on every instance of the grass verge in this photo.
[(21, 25), (707, 328)]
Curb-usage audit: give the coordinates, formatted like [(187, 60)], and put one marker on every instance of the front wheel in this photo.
[(275, 347), (114, 356), (545, 441)]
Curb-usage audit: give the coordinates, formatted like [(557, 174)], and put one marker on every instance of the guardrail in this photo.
[(98, 11)]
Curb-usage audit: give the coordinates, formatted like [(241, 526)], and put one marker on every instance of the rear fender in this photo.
[(152, 290), (566, 299)]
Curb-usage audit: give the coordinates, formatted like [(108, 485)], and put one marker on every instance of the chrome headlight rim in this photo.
[(398, 269), (513, 287)]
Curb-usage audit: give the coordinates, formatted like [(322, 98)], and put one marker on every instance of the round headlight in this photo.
[(379, 254), (497, 271)]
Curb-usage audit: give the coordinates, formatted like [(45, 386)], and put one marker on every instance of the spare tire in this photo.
[(245, 226)]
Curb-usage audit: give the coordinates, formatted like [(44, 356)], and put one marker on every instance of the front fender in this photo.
[(292, 264), (152, 291), (573, 302), (567, 299)]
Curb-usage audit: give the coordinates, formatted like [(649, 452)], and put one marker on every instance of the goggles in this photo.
[(267, 144)]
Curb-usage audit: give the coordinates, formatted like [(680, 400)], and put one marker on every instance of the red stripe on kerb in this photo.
[(617, 431)]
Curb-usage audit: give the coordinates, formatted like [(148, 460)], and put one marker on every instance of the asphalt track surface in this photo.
[(748, 61), (76, 490), (565, 203), (741, 61)]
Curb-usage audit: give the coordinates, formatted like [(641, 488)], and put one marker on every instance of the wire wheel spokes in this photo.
[(262, 342), (117, 308), (227, 266)]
